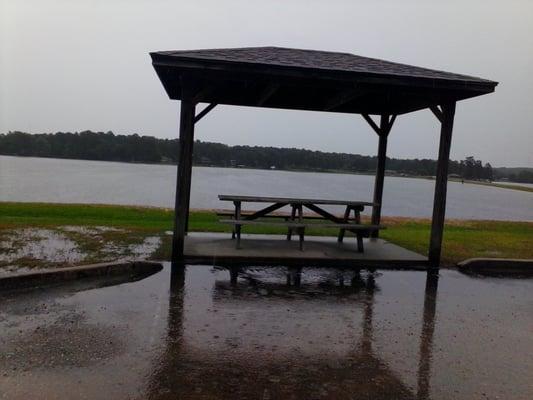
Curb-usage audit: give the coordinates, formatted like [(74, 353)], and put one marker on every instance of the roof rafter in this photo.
[(204, 112), (342, 98), (266, 94)]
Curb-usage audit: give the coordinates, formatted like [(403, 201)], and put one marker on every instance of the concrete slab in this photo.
[(219, 248)]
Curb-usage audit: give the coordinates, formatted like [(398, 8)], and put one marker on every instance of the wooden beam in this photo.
[(183, 181), (437, 112), (383, 131), (379, 182), (265, 211), (269, 91), (323, 213), (371, 122), (390, 123), (342, 98), (441, 183), (204, 112), (200, 93)]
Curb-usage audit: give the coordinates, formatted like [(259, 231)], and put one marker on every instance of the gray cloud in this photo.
[(75, 65)]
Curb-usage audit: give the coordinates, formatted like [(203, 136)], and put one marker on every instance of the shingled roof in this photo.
[(258, 67), (316, 59)]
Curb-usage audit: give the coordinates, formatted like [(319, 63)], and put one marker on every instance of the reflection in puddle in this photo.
[(274, 333), (308, 337)]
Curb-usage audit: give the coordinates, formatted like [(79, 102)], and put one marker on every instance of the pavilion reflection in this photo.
[(186, 371)]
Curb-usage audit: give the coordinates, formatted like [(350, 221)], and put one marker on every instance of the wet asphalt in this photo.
[(335, 335)]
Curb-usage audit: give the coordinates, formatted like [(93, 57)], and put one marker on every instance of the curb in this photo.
[(497, 266), (60, 275)]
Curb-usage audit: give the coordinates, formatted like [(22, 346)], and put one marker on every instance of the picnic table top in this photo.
[(290, 200)]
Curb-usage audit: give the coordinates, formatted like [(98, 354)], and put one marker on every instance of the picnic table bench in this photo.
[(296, 221)]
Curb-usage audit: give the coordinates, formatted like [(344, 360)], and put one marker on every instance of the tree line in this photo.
[(522, 175), (106, 146)]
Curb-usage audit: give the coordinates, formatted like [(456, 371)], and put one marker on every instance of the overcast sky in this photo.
[(76, 65)]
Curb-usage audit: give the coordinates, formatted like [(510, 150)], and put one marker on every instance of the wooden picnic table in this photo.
[(296, 218)]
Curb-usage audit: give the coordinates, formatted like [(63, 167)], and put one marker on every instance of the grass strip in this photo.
[(462, 238)]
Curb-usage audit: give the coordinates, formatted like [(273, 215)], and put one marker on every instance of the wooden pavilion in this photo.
[(274, 77)]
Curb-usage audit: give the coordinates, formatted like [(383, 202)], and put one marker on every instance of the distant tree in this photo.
[(470, 168), (487, 172), (524, 177), (90, 145)]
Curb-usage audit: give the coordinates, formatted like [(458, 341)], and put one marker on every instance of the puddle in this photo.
[(29, 249), (146, 248), (40, 244), (90, 230), (140, 251), (334, 335)]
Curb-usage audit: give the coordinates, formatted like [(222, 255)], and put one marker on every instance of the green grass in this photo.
[(48, 214), (462, 239)]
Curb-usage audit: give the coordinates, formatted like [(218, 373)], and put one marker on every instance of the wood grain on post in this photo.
[(183, 182), (441, 183)]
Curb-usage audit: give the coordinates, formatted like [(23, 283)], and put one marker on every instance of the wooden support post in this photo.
[(383, 131), (441, 182), (379, 181), (204, 112), (183, 181)]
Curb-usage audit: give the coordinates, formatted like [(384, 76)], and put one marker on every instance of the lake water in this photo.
[(77, 181)]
